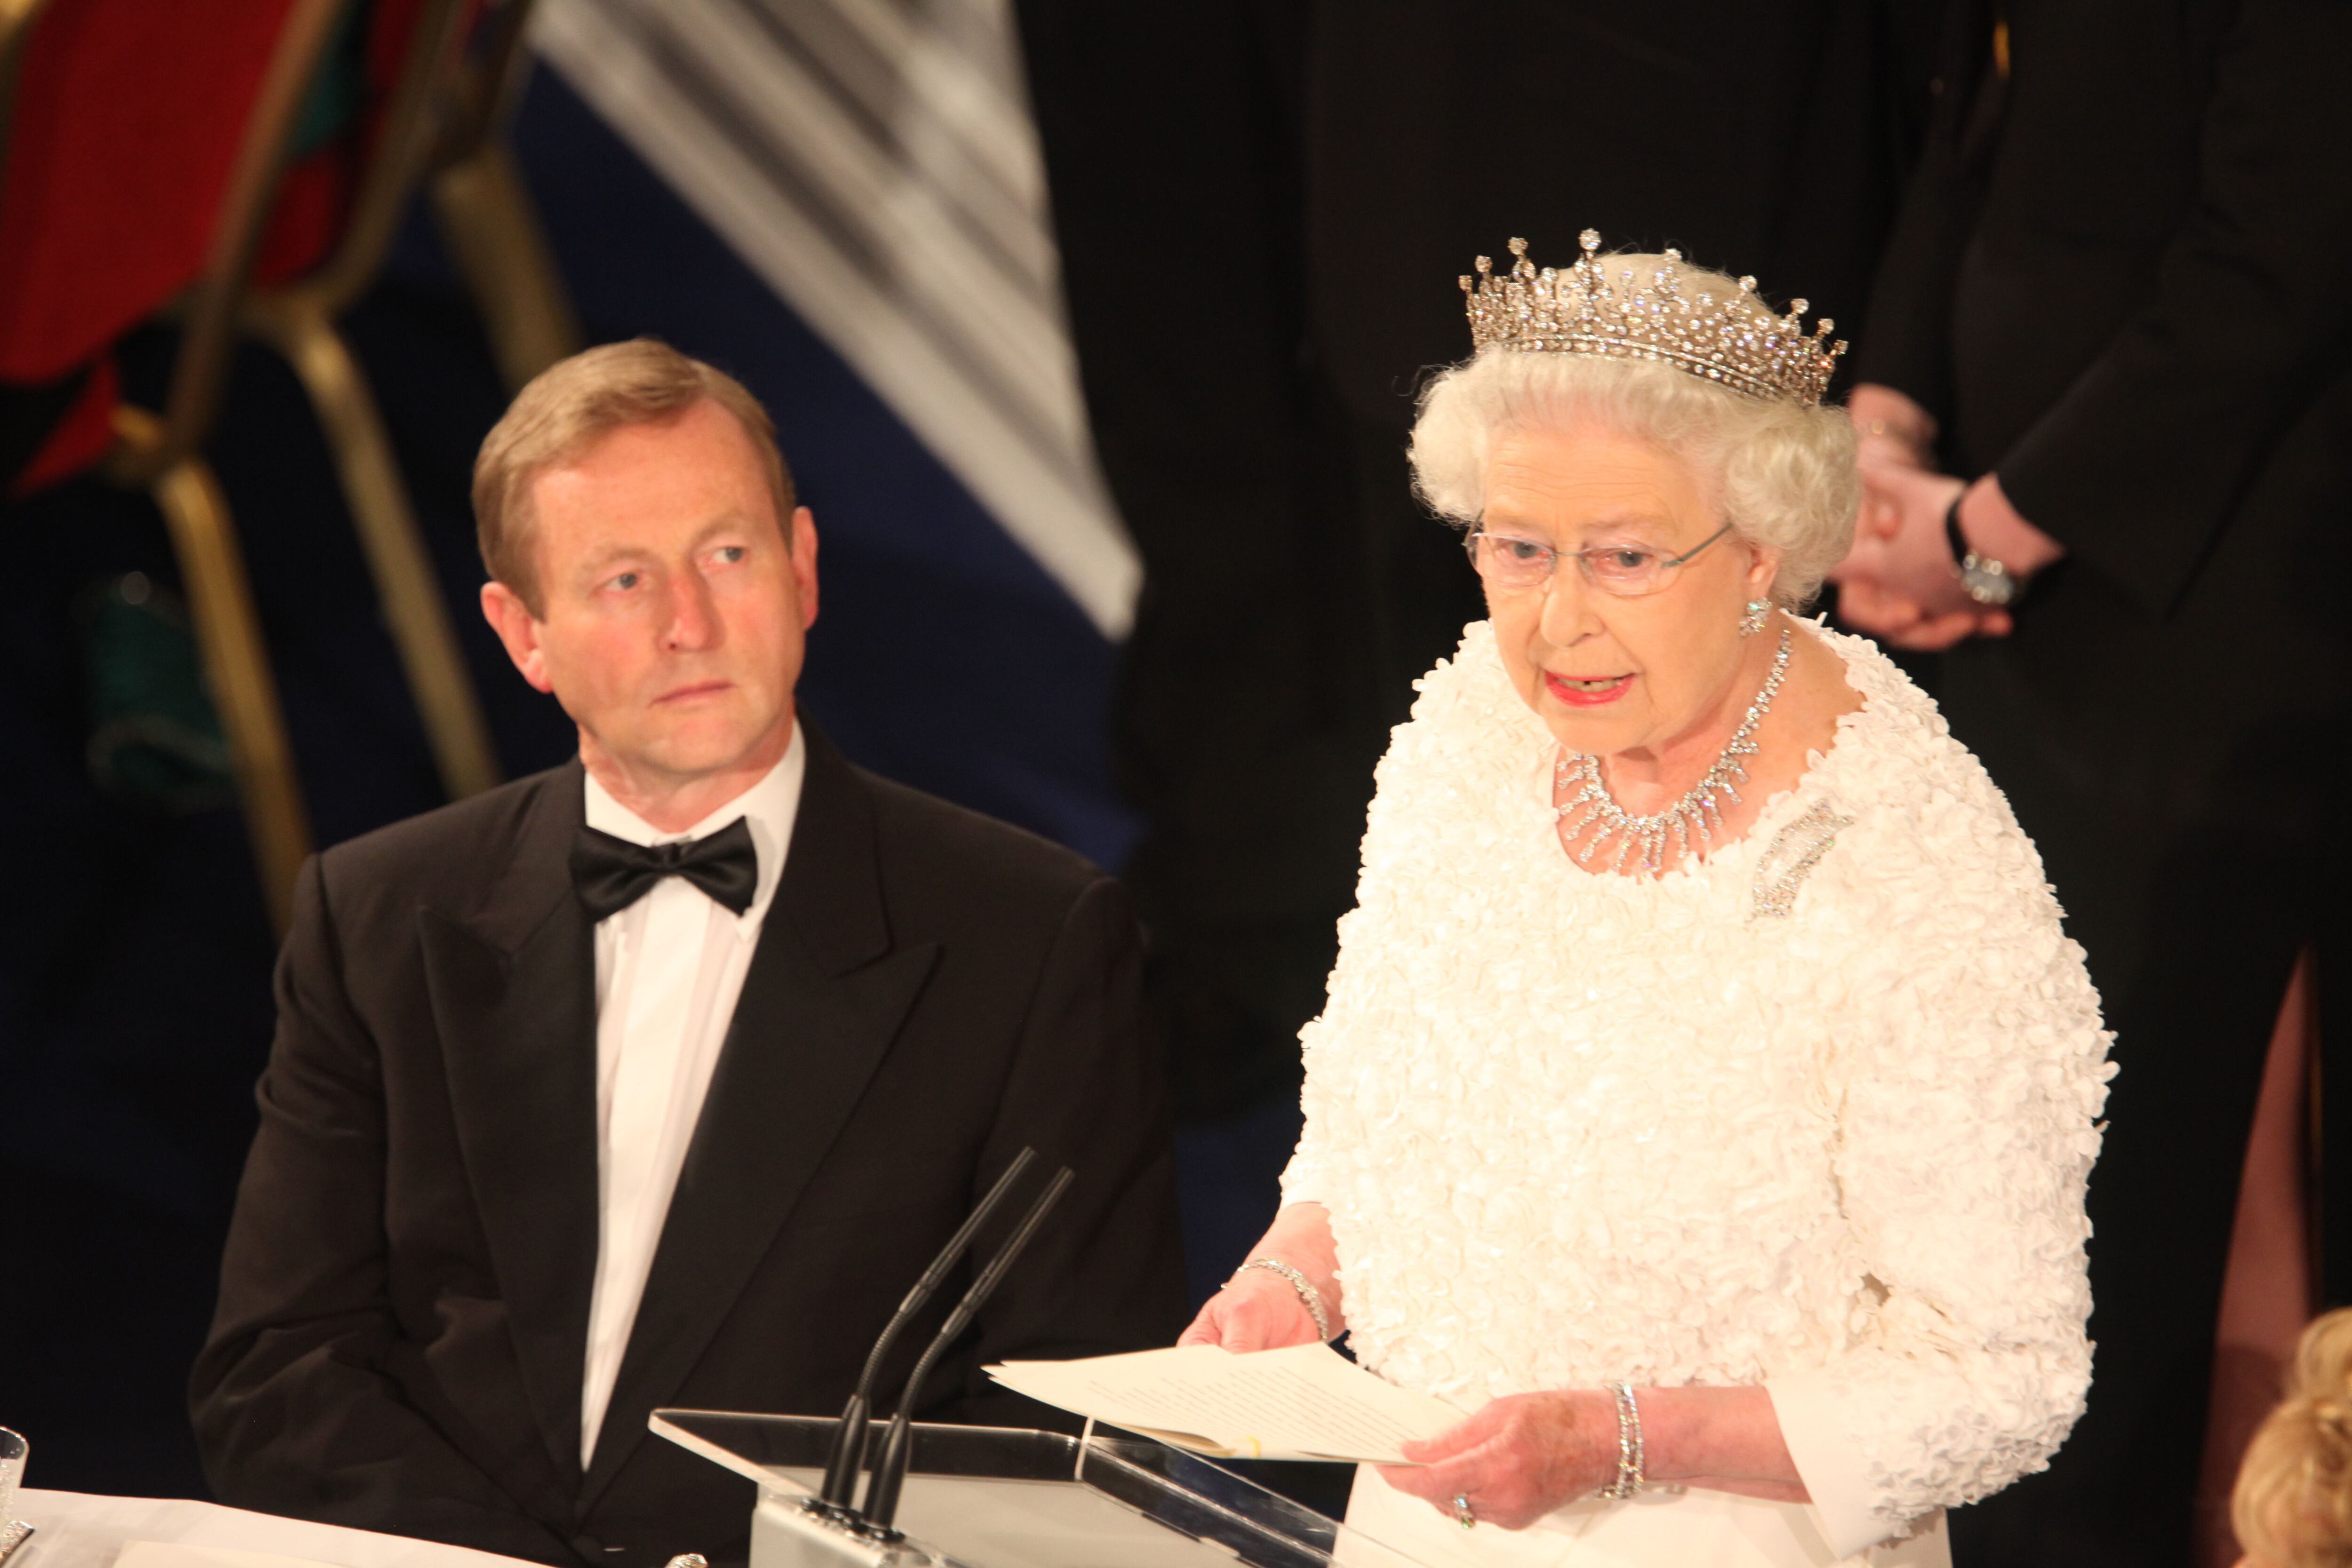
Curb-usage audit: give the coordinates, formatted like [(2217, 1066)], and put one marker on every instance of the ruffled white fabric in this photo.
[(1573, 1127)]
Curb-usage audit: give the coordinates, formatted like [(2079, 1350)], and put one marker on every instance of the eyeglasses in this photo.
[(1628, 571)]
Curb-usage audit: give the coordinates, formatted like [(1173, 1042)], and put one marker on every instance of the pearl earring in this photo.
[(1753, 621)]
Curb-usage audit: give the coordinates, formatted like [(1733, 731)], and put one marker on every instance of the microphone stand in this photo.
[(898, 1443), (849, 1440)]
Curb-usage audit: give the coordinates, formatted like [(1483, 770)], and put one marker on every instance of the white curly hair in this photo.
[(1782, 474)]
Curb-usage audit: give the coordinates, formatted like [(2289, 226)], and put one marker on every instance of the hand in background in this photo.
[(1890, 430), (1899, 582), (1517, 1460)]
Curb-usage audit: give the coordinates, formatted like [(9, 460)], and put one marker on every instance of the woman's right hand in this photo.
[(1257, 1311)]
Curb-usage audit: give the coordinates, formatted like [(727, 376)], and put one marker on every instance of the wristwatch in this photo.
[(1985, 580)]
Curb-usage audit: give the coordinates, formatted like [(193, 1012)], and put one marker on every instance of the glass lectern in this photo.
[(980, 1497)]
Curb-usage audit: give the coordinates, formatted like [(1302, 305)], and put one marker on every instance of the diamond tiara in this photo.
[(1583, 311)]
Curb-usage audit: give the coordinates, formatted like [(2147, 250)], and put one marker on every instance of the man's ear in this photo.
[(518, 630), (803, 554)]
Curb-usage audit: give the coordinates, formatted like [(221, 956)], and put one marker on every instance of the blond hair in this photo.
[(571, 405), (1782, 474), (2292, 1506)]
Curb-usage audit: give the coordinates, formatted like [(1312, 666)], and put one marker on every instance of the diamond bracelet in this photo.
[(1311, 1298), (1631, 1460)]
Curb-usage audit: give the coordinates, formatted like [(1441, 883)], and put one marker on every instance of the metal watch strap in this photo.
[(1985, 580), (1308, 1297)]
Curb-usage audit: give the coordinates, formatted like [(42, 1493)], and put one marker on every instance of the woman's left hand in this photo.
[(1518, 1459)]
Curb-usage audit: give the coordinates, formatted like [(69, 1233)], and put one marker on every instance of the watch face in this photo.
[(1987, 585)]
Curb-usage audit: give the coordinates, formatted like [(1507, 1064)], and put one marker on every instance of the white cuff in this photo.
[(1301, 1182), (1831, 1465)]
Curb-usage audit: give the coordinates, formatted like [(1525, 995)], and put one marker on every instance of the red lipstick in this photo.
[(1588, 694)]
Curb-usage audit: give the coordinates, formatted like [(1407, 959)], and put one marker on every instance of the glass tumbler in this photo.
[(13, 1449)]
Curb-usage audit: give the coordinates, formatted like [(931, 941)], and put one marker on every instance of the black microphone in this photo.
[(849, 1439), (898, 1444)]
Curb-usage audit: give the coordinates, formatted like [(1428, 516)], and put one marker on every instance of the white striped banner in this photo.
[(875, 162)]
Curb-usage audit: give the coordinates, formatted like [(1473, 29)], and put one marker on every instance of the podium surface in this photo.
[(982, 1496)]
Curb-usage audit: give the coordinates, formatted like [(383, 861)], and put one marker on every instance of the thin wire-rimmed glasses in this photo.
[(1628, 571)]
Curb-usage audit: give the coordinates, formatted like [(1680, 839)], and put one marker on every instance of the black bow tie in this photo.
[(610, 874)]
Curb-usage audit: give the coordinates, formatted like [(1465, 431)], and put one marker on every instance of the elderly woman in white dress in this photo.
[(1706, 1092)]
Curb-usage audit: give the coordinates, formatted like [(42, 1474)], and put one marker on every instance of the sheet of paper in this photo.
[(1304, 1402)]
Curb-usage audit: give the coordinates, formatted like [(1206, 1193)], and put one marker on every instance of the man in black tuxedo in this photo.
[(655, 1080)]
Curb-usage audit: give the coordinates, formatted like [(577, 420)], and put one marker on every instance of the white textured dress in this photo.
[(1815, 1113)]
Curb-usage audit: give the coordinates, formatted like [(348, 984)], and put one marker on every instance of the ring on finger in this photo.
[(1463, 1513)]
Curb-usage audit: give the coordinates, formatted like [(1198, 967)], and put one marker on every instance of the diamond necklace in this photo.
[(1687, 818)]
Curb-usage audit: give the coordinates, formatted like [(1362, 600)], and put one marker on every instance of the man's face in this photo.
[(673, 616)]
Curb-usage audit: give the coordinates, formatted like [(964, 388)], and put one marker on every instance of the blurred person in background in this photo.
[(2106, 428), (1250, 197)]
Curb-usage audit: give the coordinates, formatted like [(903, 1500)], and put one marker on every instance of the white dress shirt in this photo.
[(669, 968)]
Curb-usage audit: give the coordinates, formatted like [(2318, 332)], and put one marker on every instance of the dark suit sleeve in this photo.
[(1906, 343), (1106, 1274), (2138, 467), (295, 1412)]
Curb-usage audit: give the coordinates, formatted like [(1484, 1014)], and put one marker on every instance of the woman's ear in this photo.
[(1763, 566)]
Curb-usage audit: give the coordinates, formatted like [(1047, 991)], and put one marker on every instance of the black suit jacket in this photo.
[(404, 1298), (2123, 282), (2123, 274)]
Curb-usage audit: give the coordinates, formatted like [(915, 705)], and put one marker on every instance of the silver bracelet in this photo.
[(1307, 1295), (1631, 1460)]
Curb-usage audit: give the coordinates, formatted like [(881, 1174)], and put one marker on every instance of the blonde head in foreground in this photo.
[(2293, 1508)]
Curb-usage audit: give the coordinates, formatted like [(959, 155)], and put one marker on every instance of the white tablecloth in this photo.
[(76, 1530)]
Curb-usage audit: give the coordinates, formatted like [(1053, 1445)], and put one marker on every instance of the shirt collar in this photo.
[(770, 806)]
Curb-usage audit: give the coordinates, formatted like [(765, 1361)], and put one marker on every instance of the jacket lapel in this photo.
[(824, 996), (513, 989)]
